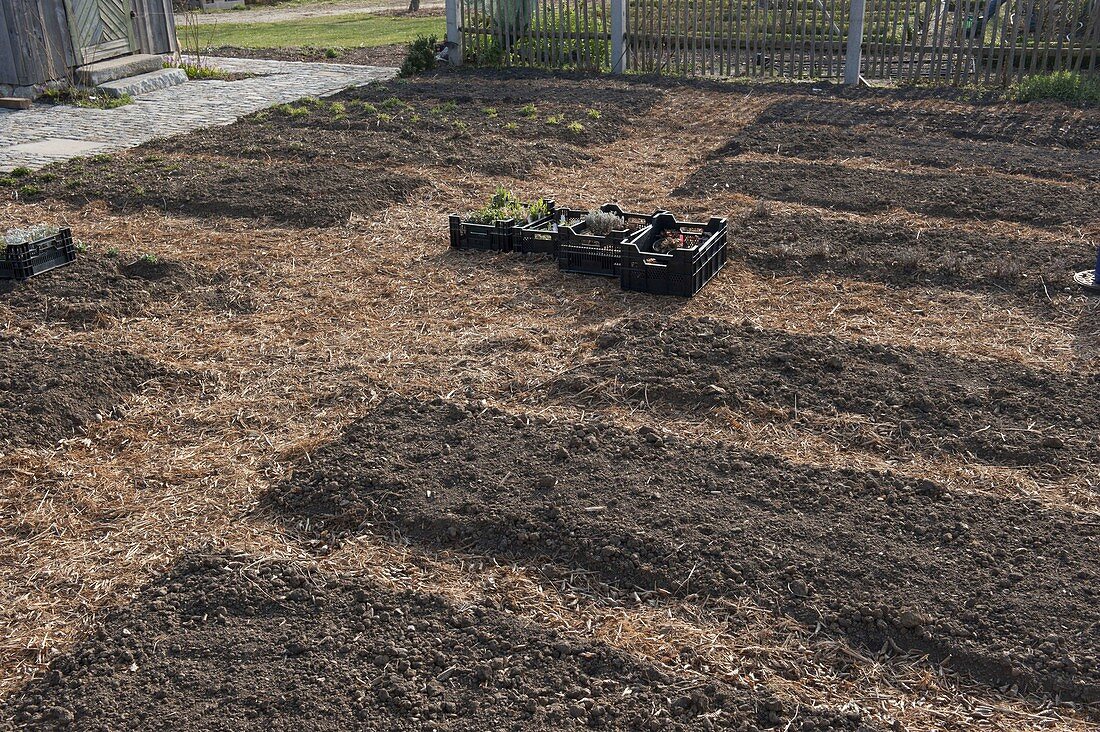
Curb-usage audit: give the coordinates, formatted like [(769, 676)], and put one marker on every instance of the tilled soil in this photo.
[(96, 289), (50, 391), (283, 191), (1002, 589), (233, 643), (813, 244), (948, 194), (891, 399), (469, 125), (824, 140), (1015, 126)]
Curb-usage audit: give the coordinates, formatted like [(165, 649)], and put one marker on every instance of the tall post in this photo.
[(454, 34), (855, 42), (618, 36)]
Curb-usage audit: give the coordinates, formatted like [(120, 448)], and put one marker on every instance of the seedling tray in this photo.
[(591, 254), (19, 261), (499, 236), (682, 271)]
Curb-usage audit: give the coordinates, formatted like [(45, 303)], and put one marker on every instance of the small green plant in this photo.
[(99, 158), (369, 108), (444, 108), (602, 223), (29, 190), (419, 56), (575, 127), (21, 172), (334, 52), (491, 112), (528, 110), (80, 246), (594, 114), (383, 117), (148, 258), (289, 110), (112, 251), (415, 119), (461, 127), (555, 119), (504, 205), (8, 182), (46, 177), (198, 72), (1061, 86), (338, 108), (511, 127), (393, 103)]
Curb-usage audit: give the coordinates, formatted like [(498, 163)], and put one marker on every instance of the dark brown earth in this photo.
[(430, 121), (283, 191), (948, 194), (50, 391), (1051, 145), (812, 244), (316, 163), (889, 399), (236, 643), (1003, 589), (98, 288), (374, 56)]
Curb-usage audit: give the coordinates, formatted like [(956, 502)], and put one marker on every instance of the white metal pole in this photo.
[(855, 42), (454, 36), (618, 36)]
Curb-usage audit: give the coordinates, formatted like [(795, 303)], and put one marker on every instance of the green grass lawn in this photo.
[(339, 31)]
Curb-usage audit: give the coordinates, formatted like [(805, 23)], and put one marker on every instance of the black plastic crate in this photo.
[(682, 271), (597, 255), (19, 261), (542, 236), (499, 236)]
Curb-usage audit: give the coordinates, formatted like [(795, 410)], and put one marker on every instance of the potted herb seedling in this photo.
[(491, 228)]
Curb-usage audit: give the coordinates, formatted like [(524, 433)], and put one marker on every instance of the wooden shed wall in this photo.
[(154, 26), (34, 41)]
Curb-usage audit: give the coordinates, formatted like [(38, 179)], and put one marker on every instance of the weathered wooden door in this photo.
[(100, 29)]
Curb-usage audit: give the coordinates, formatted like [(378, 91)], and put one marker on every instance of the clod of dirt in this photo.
[(50, 392), (871, 396), (236, 643), (1004, 589), (96, 289)]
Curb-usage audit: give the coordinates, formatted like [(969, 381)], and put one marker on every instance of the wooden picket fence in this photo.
[(941, 41)]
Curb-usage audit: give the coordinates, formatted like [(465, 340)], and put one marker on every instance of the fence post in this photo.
[(454, 35), (618, 36), (855, 42)]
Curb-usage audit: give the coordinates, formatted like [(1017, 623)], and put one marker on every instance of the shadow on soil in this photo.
[(234, 642), (1001, 588)]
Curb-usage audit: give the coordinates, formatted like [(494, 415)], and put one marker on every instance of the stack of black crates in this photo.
[(629, 254)]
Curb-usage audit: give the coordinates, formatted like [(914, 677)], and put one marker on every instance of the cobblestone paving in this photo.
[(46, 134)]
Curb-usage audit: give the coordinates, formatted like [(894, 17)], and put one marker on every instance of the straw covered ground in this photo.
[(275, 457)]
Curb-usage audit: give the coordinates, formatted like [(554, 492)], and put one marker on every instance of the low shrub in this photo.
[(420, 56), (1061, 86)]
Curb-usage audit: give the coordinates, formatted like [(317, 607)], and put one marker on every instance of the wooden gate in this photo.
[(100, 29)]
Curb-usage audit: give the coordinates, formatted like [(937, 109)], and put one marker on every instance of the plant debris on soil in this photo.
[(50, 391), (852, 485), (242, 644), (1003, 589), (822, 130), (863, 394), (96, 289), (812, 244)]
